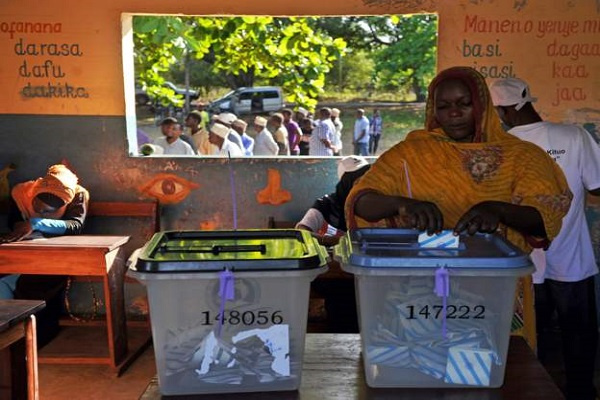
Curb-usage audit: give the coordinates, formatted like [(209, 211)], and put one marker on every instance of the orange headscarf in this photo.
[(431, 166), (58, 181)]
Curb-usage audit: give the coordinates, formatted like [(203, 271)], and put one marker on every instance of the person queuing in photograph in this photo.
[(375, 131), (198, 134), (361, 134), (218, 135), (182, 136), (239, 125), (294, 131), (306, 125), (170, 141), (52, 205), (464, 173), (321, 139), (264, 144), (281, 134), (565, 272), (228, 119), (337, 123), (204, 116)]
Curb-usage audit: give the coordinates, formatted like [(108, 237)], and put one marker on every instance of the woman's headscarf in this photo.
[(58, 181), (487, 124)]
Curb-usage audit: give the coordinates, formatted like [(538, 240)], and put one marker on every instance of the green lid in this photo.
[(241, 250)]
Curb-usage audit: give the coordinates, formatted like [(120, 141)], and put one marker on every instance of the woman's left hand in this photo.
[(482, 217)]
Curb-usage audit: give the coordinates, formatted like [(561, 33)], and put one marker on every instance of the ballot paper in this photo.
[(443, 240), (468, 366)]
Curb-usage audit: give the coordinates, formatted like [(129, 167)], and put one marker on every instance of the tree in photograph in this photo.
[(403, 48), (244, 50)]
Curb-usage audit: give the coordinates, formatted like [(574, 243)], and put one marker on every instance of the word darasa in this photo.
[(22, 48)]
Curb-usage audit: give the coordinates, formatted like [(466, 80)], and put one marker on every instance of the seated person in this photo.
[(325, 219), (53, 205), (326, 216), (464, 172)]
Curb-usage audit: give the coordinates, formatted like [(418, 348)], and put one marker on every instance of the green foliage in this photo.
[(409, 59), (354, 71), (241, 49), (403, 48)]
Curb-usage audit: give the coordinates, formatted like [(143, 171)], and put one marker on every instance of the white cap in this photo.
[(260, 121), (511, 91), (219, 130), (241, 123), (303, 111), (335, 112), (350, 164), (226, 118)]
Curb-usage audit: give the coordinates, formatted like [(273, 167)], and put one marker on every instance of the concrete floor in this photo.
[(91, 382)]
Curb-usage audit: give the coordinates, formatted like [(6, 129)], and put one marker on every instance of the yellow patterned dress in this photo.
[(430, 166)]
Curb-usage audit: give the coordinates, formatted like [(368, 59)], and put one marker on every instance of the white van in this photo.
[(250, 100)]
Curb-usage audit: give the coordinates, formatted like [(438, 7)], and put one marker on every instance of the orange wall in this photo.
[(551, 43)]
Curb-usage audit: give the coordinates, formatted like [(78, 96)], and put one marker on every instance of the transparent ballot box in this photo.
[(229, 308), (433, 317)]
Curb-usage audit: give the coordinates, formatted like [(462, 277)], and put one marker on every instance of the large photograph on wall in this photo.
[(273, 82)]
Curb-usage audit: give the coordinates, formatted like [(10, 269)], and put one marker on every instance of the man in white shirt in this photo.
[(239, 125), (321, 140), (361, 134), (217, 135), (264, 144), (170, 141), (228, 119), (564, 278), (337, 123)]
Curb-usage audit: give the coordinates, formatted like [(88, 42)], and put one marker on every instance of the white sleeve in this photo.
[(272, 144), (312, 219), (589, 161)]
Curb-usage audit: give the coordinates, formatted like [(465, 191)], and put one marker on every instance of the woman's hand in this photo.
[(422, 215), (20, 232), (483, 217)]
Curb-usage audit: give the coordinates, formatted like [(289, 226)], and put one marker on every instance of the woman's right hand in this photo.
[(422, 215)]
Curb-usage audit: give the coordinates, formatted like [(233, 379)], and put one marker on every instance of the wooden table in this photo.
[(333, 369), (91, 255), (18, 349)]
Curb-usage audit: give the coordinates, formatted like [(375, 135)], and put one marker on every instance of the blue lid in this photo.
[(399, 248)]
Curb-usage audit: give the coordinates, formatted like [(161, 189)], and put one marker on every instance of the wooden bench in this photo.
[(126, 209), (104, 211)]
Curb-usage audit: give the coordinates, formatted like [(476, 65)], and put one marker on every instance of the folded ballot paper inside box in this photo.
[(416, 335), (229, 308)]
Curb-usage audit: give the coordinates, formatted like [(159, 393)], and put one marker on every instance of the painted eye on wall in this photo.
[(168, 188)]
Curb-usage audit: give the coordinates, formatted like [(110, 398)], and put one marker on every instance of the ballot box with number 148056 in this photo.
[(229, 308)]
